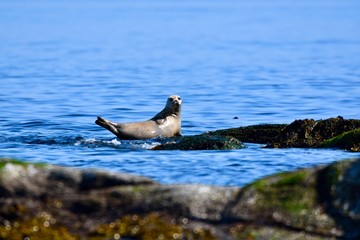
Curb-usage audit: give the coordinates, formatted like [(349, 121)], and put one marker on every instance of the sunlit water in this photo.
[(62, 63)]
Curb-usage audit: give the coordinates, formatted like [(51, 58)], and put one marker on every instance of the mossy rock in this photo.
[(305, 133), (287, 199), (148, 227), (134, 226), (320, 202), (251, 232), (309, 133), (5, 161), (202, 142), (285, 191), (348, 140), (262, 133), (41, 227)]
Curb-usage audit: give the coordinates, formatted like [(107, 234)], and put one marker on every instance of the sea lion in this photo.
[(166, 123)]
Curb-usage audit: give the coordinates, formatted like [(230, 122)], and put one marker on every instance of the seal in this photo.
[(166, 123)]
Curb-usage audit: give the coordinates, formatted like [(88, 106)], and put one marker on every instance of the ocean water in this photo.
[(63, 63)]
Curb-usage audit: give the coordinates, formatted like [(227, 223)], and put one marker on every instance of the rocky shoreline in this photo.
[(51, 202)]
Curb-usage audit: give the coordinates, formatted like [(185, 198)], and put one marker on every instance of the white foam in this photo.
[(149, 145), (115, 142), (82, 141)]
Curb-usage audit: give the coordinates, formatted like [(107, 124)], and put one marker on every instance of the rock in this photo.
[(310, 133), (307, 133), (50, 202), (338, 186), (263, 133), (286, 199), (89, 203), (348, 140), (323, 200), (201, 142), (34, 180)]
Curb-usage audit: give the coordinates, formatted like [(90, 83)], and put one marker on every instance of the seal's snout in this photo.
[(175, 100)]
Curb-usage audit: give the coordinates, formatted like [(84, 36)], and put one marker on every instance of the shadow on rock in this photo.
[(338, 186), (201, 142)]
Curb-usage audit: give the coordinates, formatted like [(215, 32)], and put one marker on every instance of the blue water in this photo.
[(62, 63)]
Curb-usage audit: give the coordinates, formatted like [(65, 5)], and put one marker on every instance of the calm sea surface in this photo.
[(63, 63)]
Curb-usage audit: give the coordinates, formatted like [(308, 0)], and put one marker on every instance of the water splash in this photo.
[(116, 143), (79, 141)]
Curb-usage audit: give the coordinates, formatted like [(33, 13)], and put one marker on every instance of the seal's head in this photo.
[(174, 103)]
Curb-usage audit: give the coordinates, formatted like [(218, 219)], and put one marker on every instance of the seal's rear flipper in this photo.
[(107, 125)]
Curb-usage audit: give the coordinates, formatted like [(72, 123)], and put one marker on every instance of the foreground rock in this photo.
[(50, 202)]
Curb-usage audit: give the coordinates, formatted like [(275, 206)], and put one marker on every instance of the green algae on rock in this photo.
[(29, 191), (5, 161), (310, 133), (149, 227), (348, 140), (35, 228), (286, 199), (201, 142), (262, 232), (306, 133)]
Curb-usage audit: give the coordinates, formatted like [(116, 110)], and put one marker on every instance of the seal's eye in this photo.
[(171, 99), (179, 98)]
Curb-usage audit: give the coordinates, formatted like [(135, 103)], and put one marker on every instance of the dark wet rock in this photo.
[(201, 142), (339, 185), (348, 140), (263, 133), (306, 133), (310, 133), (50, 202)]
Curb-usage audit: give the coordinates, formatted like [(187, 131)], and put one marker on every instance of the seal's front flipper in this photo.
[(160, 121), (107, 125)]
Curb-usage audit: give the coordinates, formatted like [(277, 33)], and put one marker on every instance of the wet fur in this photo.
[(166, 123)]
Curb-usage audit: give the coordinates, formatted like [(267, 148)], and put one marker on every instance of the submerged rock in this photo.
[(201, 142), (49, 202)]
